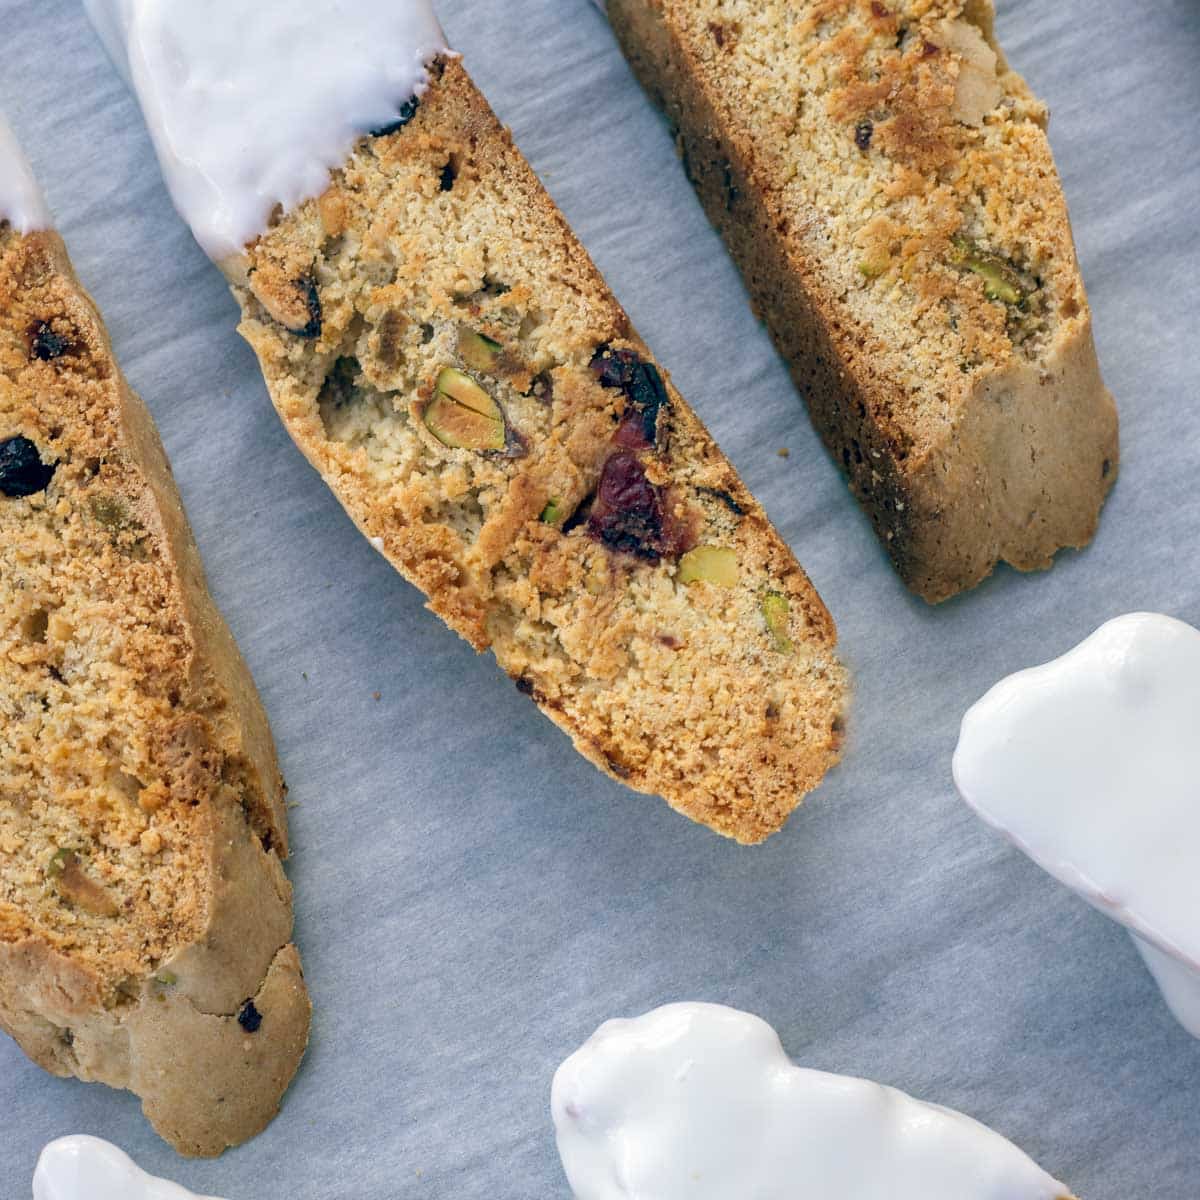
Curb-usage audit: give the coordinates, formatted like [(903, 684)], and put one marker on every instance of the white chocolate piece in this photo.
[(251, 106), (1091, 765), (85, 1168), (700, 1102), (21, 203)]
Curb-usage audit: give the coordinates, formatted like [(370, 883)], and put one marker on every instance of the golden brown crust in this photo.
[(142, 818), (436, 248), (858, 157)]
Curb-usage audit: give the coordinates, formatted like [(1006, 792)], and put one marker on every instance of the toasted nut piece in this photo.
[(710, 564), (463, 416), (78, 888), (1000, 278), (294, 302), (478, 351), (775, 611)]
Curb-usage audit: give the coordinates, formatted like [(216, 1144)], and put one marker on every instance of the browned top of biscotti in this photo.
[(910, 168), (115, 696), (580, 522)]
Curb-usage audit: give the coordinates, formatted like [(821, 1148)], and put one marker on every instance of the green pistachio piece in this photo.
[(463, 416), (1000, 279), (478, 350), (710, 564), (775, 611)]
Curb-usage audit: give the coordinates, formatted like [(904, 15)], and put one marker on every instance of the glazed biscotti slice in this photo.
[(443, 351), (145, 920), (885, 183)]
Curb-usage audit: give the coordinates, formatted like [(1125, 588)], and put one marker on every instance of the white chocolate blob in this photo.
[(85, 1168), (1091, 765), (21, 203), (700, 1102), (251, 105)]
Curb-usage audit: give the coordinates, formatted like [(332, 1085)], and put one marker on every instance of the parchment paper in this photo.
[(472, 898)]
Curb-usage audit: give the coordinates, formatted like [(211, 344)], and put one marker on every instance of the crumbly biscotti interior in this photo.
[(108, 771), (446, 355), (885, 181)]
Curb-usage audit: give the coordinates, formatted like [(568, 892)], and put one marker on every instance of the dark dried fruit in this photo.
[(408, 110), (307, 286), (46, 345), (863, 132), (22, 472), (249, 1018), (543, 387), (632, 515), (628, 513), (524, 685), (644, 391)]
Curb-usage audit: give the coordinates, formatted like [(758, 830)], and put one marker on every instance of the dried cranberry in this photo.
[(407, 111), (628, 513), (643, 389), (45, 344), (22, 472), (249, 1018)]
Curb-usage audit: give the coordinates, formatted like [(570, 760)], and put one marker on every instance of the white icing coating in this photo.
[(21, 203), (700, 1102), (1179, 984), (251, 105), (1091, 765), (85, 1168)]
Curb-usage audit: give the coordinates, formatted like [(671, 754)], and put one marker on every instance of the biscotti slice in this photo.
[(443, 351), (145, 920), (885, 183)]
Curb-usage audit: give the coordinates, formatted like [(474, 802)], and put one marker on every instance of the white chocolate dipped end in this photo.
[(251, 106), (700, 1102), (85, 1168), (1091, 765), (21, 203)]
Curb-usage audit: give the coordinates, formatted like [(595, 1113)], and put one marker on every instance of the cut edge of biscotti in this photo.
[(145, 918), (446, 355), (885, 183)]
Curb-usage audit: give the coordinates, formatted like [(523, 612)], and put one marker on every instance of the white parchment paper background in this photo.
[(472, 898)]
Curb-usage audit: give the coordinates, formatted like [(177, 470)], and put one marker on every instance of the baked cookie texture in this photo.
[(442, 349), (145, 920), (884, 180)]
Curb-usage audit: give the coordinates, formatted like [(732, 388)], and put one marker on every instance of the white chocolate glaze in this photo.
[(1091, 765), (85, 1168), (251, 105), (1179, 984), (700, 1102), (21, 203)]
